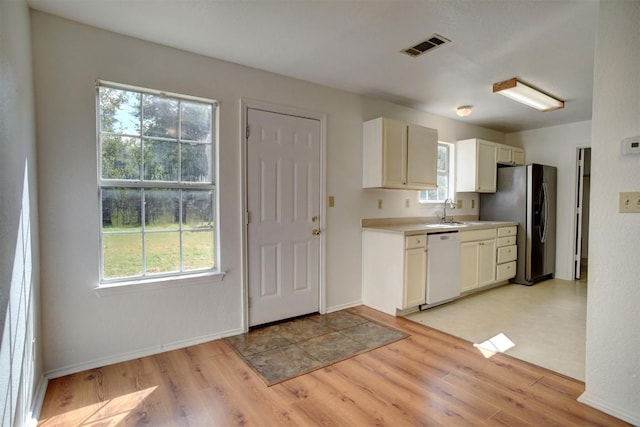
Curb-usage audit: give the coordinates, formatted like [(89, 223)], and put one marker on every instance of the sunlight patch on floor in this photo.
[(106, 413), (498, 344)]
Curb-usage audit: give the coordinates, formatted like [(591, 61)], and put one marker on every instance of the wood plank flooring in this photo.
[(428, 379)]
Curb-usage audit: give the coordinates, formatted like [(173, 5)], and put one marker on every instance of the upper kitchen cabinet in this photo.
[(508, 155), (399, 155), (476, 162)]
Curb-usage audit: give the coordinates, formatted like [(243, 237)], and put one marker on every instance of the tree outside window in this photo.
[(445, 176), (157, 189)]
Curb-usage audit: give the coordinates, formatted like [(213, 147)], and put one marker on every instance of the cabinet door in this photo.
[(504, 154), (468, 266), (486, 167), (486, 262), (394, 149), (415, 277), (422, 152), (517, 156)]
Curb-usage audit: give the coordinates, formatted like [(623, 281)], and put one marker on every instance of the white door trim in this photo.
[(577, 212), (245, 105)]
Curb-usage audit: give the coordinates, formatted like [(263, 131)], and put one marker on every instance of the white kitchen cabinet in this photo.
[(517, 156), (399, 155), (476, 163), (506, 253), (486, 262), (503, 155), (477, 259), (468, 266), (394, 271), (508, 155), (415, 273)]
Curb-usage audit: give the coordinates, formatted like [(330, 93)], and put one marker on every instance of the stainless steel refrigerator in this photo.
[(527, 195)]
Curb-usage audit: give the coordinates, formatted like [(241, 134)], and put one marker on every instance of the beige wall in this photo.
[(558, 146), (83, 329), (20, 368), (613, 318)]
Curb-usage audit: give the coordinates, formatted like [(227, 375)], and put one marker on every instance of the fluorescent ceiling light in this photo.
[(518, 91)]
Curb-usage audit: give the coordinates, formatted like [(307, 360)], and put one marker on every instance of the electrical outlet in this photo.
[(473, 203), (458, 204), (629, 202), (379, 203), (407, 203)]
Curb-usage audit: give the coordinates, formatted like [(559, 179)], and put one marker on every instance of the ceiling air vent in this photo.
[(429, 44)]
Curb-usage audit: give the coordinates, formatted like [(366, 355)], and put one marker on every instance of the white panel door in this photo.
[(283, 200)]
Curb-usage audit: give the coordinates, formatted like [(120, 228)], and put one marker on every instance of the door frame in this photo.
[(577, 221), (245, 105)]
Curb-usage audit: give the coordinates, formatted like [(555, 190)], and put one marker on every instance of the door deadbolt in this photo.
[(314, 218)]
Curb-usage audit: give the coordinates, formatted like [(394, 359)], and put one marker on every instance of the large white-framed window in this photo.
[(445, 181), (157, 157)]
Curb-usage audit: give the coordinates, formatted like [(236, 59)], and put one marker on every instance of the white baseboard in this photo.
[(613, 410), (123, 357), (37, 401), (342, 306)]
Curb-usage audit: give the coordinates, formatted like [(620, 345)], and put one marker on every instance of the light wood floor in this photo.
[(430, 378)]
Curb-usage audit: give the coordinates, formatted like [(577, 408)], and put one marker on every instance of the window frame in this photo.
[(167, 278), (450, 172)]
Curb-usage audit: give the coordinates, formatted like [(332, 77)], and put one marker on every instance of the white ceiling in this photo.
[(356, 45)]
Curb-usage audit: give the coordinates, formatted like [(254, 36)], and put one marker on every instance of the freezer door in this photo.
[(540, 261), (549, 232)]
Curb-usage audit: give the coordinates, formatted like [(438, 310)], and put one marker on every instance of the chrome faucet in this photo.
[(444, 209)]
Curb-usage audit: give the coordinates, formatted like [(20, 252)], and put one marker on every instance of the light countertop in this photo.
[(409, 229)]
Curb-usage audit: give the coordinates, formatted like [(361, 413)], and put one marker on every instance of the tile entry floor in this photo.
[(284, 350), (546, 321)]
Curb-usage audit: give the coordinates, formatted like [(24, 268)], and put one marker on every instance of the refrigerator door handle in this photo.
[(545, 214)]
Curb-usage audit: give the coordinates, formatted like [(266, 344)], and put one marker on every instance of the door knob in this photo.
[(315, 231)]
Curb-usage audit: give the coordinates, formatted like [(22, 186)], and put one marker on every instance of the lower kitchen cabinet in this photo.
[(477, 259), (395, 266), (507, 253), (394, 271), (415, 271)]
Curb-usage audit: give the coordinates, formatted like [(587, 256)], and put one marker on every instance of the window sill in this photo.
[(159, 283)]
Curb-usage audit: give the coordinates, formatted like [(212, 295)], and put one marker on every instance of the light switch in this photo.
[(407, 203), (629, 202), (332, 201), (379, 203)]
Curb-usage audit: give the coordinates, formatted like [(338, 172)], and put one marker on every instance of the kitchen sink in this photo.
[(446, 225)]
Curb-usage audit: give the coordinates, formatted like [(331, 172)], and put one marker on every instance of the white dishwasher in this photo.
[(443, 267)]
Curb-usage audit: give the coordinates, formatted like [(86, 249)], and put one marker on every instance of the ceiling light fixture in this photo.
[(518, 91), (464, 110)]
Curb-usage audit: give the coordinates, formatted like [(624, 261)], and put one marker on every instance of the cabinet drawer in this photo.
[(507, 231), (470, 236), (505, 241), (418, 241), (507, 253), (506, 271)]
